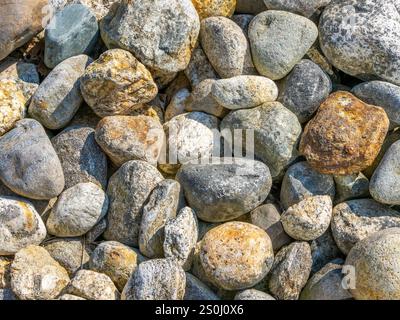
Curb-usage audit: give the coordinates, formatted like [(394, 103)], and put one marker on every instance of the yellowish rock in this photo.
[(213, 8)]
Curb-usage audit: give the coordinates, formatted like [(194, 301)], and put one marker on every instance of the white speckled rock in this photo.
[(279, 40), (156, 279), (177, 104), (160, 33), (20, 225), (181, 235), (35, 275), (253, 294), (78, 209), (199, 68), (308, 219), (92, 285), (304, 7), (68, 296)]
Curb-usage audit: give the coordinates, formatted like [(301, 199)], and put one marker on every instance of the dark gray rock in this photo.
[(351, 187), (6, 295), (250, 6), (197, 290), (223, 191), (304, 89), (81, 158), (29, 166), (72, 31)]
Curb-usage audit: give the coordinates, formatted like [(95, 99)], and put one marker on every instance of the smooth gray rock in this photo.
[(302, 181), (77, 210), (225, 190), (20, 225), (354, 33), (385, 182), (161, 206), (382, 94), (225, 45), (326, 284), (161, 34), (290, 271), (304, 7), (276, 133), (127, 191), (72, 31), (156, 279), (351, 187), (58, 97), (197, 290), (279, 40), (29, 165), (304, 89), (181, 235), (81, 158), (357, 219), (253, 294)]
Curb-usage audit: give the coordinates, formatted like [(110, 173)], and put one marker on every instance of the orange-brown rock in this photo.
[(345, 136), (20, 20), (213, 8)]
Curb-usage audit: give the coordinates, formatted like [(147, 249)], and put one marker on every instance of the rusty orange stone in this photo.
[(345, 136), (214, 8)]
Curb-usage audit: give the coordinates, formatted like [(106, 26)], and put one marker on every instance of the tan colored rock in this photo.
[(35, 275), (125, 138), (345, 136), (212, 8), (5, 265), (12, 105), (236, 255), (117, 83), (20, 21)]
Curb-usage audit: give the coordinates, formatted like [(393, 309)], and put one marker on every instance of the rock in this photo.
[(181, 235), (5, 265), (276, 133), (160, 34), (304, 7), (35, 275), (301, 181), (197, 290), (323, 250), (326, 284), (157, 279), (213, 8), (69, 297), (199, 68), (367, 29), (154, 111), (225, 45), (236, 255), (250, 6), (351, 187), (383, 94), (20, 22), (125, 138), (244, 92), (117, 83), (375, 261), (12, 105), (20, 226), (91, 285), (29, 166), (290, 271), (71, 253), (127, 191), (286, 38), (178, 104), (85, 117), (81, 158), (72, 31), (350, 147), (189, 137), (58, 97), (161, 206), (115, 260), (202, 99), (357, 219), (93, 234), (265, 216), (7, 295), (99, 7), (223, 191), (304, 89), (308, 219), (385, 182), (78, 209), (253, 294)]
